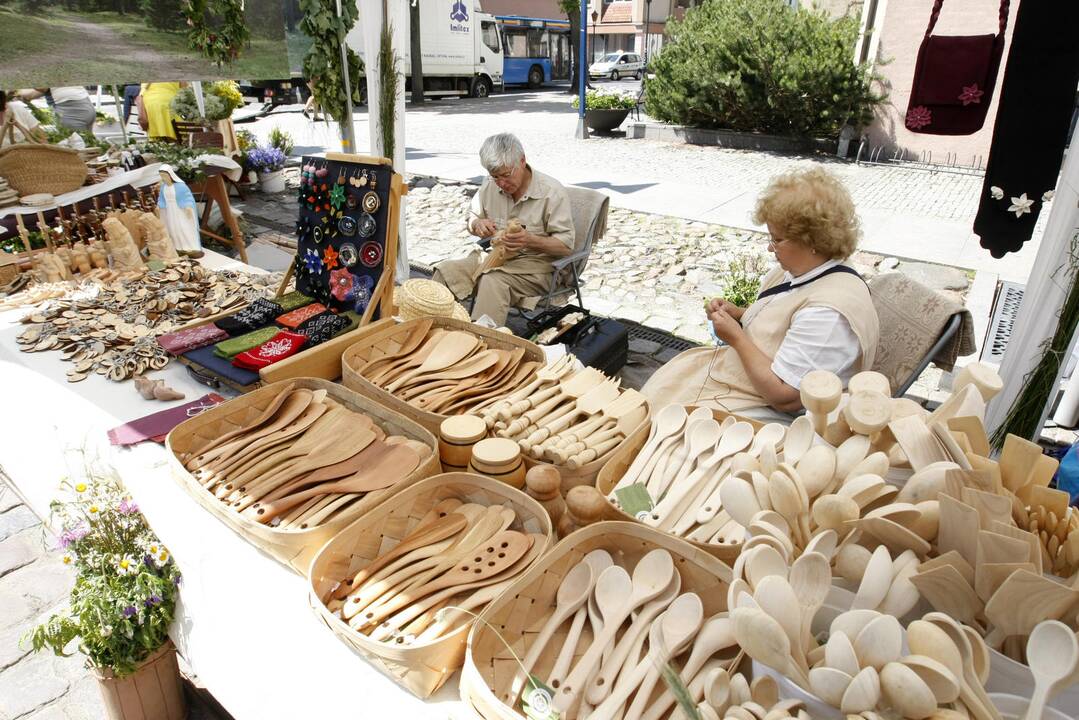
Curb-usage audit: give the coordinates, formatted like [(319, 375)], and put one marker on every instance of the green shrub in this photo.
[(757, 65), (743, 279), (594, 100)]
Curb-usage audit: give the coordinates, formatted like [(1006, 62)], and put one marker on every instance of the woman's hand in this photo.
[(720, 304), (726, 326)]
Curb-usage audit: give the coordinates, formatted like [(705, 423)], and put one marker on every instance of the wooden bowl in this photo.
[(294, 548), (491, 674), (424, 667)]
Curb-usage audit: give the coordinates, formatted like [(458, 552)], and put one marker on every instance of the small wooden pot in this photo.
[(500, 459), (153, 692), (456, 436)]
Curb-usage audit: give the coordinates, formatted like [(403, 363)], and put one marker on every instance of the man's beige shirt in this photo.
[(544, 209)]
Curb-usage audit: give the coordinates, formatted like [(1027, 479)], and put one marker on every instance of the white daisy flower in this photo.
[(127, 565)]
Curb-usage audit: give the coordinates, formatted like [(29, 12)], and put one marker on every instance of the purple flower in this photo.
[(74, 535), (152, 600), (129, 611), (126, 507), (177, 581), (266, 159)]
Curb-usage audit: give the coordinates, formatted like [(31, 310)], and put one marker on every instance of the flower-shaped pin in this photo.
[(971, 95), (362, 292), (312, 261), (1020, 205), (996, 193), (337, 196), (330, 257), (341, 284), (919, 117)]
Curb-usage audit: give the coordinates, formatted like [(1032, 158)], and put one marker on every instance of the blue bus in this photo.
[(535, 50)]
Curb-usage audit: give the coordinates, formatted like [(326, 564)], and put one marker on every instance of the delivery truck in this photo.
[(461, 46)]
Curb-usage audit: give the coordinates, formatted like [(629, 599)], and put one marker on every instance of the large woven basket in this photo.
[(491, 676), (376, 342), (294, 548), (31, 168), (623, 457), (421, 668)]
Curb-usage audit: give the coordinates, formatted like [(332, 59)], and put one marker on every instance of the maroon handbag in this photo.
[(954, 79)]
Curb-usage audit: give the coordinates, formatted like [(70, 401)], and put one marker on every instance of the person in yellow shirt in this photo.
[(155, 115)]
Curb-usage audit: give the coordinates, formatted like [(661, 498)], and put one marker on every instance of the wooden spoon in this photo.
[(650, 578), (829, 684), (775, 596), (603, 683), (764, 640), (701, 437), (1052, 654), (600, 560), (667, 636), (799, 439), (810, 578), (972, 693), (571, 596), (738, 499), (703, 483), (939, 679), (879, 643), (716, 634), (387, 373)]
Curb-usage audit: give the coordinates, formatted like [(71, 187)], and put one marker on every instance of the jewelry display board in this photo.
[(346, 232)]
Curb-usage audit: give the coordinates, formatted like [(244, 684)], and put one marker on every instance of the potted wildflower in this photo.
[(122, 603), (269, 163)]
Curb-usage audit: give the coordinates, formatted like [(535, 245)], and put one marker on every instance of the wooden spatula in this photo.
[(487, 561), (450, 349), (254, 424), (388, 468), (387, 373), (589, 403), (453, 375), (473, 398), (284, 412), (422, 535), (416, 335)]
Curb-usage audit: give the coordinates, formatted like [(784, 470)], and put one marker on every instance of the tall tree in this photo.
[(414, 50), (572, 8)]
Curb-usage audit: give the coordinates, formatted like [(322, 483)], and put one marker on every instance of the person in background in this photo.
[(72, 105), (155, 114), (814, 311), (131, 93), (21, 114), (540, 204), (311, 106)]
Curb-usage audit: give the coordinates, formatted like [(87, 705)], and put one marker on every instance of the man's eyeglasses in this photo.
[(504, 174)]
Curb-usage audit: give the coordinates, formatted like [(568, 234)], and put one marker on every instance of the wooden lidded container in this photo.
[(456, 436), (499, 458)]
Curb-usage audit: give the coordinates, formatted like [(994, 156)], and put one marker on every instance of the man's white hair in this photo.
[(501, 151)]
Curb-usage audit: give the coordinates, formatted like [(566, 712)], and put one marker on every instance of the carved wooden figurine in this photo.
[(125, 255)]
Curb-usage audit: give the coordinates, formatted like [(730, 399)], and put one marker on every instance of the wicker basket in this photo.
[(294, 548), (31, 168), (379, 341), (421, 668), (624, 456), (491, 674)]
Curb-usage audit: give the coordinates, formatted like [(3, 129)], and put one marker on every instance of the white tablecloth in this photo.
[(244, 624)]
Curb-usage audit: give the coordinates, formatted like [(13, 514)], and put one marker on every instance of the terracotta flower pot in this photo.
[(152, 692)]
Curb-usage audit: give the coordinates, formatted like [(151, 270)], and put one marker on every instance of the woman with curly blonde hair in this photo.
[(813, 312)]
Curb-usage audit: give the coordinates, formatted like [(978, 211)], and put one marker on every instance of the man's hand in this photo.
[(727, 328), (515, 242), (484, 227)]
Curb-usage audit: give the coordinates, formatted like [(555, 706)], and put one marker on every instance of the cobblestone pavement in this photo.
[(33, 582), (906, 212), (650, 269)]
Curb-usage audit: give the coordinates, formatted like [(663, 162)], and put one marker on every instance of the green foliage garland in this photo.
[(1025, 415), (759, 66), (219, 100), (322, 64), (223, 43), (387, 86)]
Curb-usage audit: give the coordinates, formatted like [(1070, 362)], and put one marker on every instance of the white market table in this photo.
[(244, 623)]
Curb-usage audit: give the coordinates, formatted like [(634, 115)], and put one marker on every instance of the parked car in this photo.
[(617, 65)]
